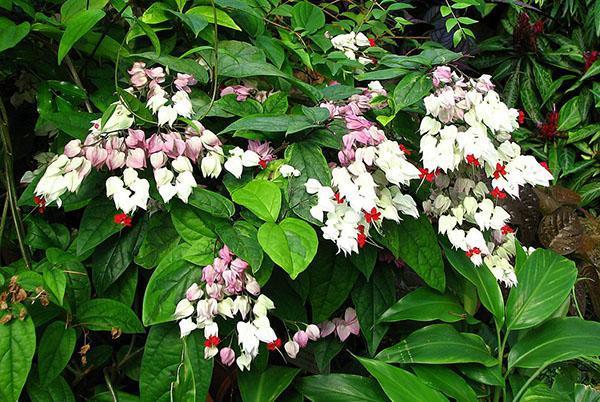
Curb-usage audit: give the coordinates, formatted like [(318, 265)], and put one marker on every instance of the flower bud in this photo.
[(291, 348), (301, 338), (227, 356), (313, 332), (73, 148)]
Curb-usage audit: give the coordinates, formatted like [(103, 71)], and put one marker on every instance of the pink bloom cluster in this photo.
[(226, 276), (342, 327), (245, 91), (361, 130)]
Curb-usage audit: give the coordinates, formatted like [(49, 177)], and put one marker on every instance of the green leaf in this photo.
[(486, 284), (151, 35), (78, 284), (308, 158), (424, 304), (17, 346), (242, 239), (307, 17), (557, 340), (111, 259), (291, 244), (106, 314), (43, 235), (415, 242), (445, 380), (511, 89), (167, 358), (222, 18), (276, 104), (211, 202), (160, 238), (439, 344), (365, 260), (370, 299), (195, 22), (55, 350), (545, 281), (97, 225), (54, 391), (261, 197), (189, 223), (123, 289), (331, 280), (399, 384), (266, 385), (288, 123), (55, 282), (529, 100), (11, 34), (593, 70), (570, 114), (411, 89), (485, 375), (177, 64), (543, 81), (76, 27), (340, 388)]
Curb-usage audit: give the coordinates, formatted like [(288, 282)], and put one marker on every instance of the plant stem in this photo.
[(11, 190), (528, 382), (77, 80)]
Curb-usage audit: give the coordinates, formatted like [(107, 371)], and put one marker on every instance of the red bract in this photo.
[(545, 166), (405, 150), (472, 252), (497, 193), (549, 129), (521, 118), (276, 344), (41, 204), (372, 42), (507, 229), (122, 219), (262, 163), (590, 58), (500, 171), (339, 199), (212, 341), (525, 34), (372, 216), (426, 174), (472, 160)]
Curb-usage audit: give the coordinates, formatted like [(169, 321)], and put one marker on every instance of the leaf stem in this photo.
[(11, 190)]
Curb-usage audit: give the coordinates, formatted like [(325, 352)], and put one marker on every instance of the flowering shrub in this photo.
[(265, 201)]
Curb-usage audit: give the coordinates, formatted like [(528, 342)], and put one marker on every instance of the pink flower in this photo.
[(135, 138), (215, 291), (301, 338), (174, 146), (442, 74), (252, 285), (96, 155), (239, 265), (209, 275), (354, 122), (183, 81), (138, 76), (155, 143), (115, 159), (227, 356), (348, 325), (193, 147), (157, 74), (225, 254), (241, 91), (73, 148), (327, 328), (263, 149), (219, 265), (136, 158), (333, 109)]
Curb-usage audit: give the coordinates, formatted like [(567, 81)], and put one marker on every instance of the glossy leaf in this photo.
[(439, 344), (97, 225), (56, 347), (76, 27), (445, 380), (261, 197), (56, 390), (424, 304), (291, 244), (266, 385), (412, 88), (211, 202), (556, 340), (400, 385), (106, 314), (17, 346), (340, 388), (545, 280)]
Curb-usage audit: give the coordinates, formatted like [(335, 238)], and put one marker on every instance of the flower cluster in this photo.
[(115, 143), (245, 91), (366, 187), (472, 163), (351, 43)]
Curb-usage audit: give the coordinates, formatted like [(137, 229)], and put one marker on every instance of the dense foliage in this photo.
[(260, 200)]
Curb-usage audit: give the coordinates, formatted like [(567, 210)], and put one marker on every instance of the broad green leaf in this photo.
[(529, 99), (242, 239), (78, 289), (17, 346), (149, 32), (111, 258), (189, 224), (156, 13), (545, 281), (593, 70), (415, 242), (201, 252), (55, 391), (195, 22), (400, 385), (167, 286), (542, 392), (370, 299), (97, 225), (76, 27), (307, 17), (424, 304), (543, 81), (340, 388), (43, 235), (106, 314), (123, 289), (211, 202), (486, 284), (511, 89), (485, 375), (586, 393), (55, 350), (439, 344), (556, 340), (266, 385), (276, 103), (288, 123), (291, 244), (261, 197), (331, 280), (570, 114), (55, 282), (412, 88), (308, 158), (167, 358), (208, 12), (160, 238), (11, 34), (365, 260), (445, 380)]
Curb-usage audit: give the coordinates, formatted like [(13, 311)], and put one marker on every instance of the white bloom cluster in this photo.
[(62, 175), (364, 193), (468, 155), (351, 43)]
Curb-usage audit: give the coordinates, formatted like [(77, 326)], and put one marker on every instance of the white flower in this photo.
[(130, 193), (181, 104), (246, 334), (262, 305), (362, 40), (490, 216), (241, 304), (225, 307), (243, 361), (292, 348), (446, 223), (120, 119), (211, 164), (364, 60), (62, 175), (264, 332), (186, 326), (194, 292), (288, 171), (184, 309), (166, 115)]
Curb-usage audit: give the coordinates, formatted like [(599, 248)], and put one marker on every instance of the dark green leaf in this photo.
[(106, 314), (77, 26), (55, 350), (425, 304), (97, 225), (340, 388), (11, 34), (307, 17), (17, 346), (411, 89), (445, 380), (266, 385), (261, 197)]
